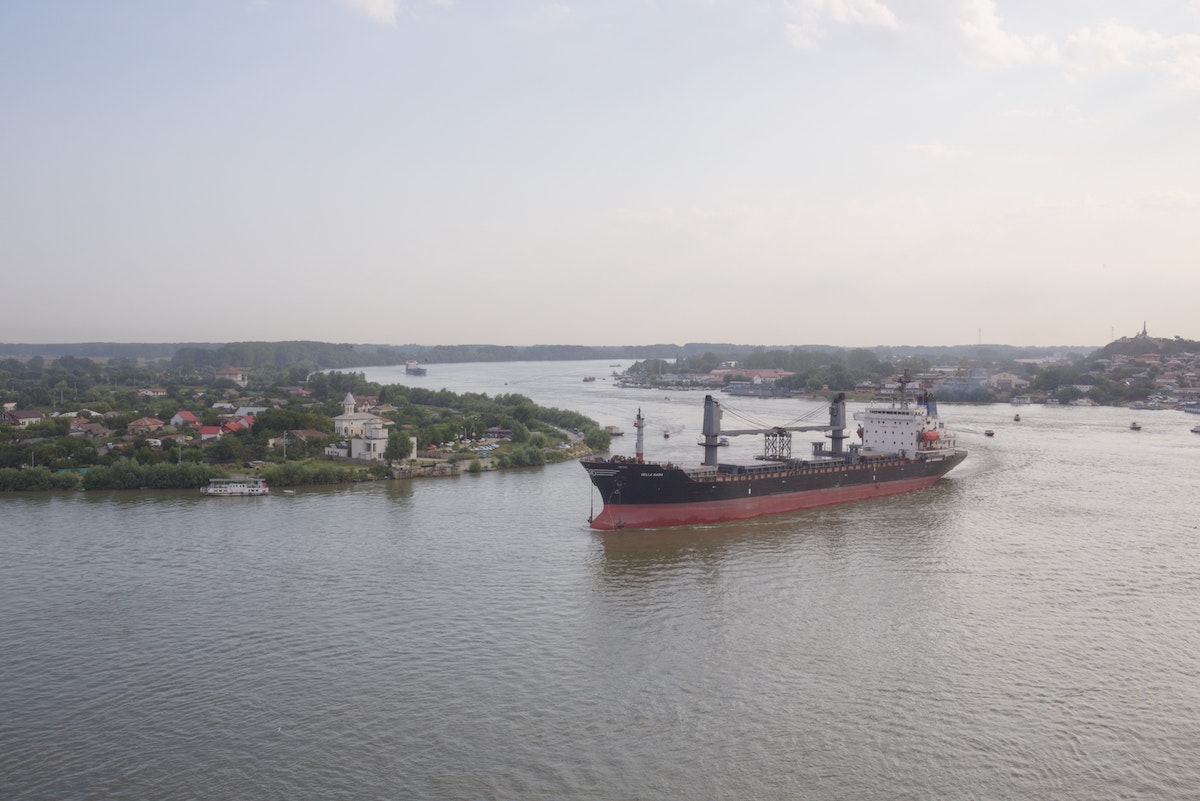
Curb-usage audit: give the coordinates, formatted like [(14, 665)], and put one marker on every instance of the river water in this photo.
[(1025, 629)]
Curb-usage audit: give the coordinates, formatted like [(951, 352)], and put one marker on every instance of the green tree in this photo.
[(597, 438), (399, 446), (228, 448)]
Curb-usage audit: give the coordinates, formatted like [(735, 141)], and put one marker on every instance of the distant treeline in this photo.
[(98, 350), (332, 356)]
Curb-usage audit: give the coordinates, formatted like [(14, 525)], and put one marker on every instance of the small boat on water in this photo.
[(989, 433), (1016, 418), (1196, 429), (1135, 426), (614, 431), (231, 487)]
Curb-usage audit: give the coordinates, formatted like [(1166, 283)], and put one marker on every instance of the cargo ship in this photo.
[(902, 447)]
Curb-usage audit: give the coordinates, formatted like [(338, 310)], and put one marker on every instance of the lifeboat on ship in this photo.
[(929, 436)]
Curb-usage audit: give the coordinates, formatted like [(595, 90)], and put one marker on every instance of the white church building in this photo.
[(366, 434)]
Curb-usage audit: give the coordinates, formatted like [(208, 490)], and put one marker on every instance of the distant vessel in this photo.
[(588, 378), (904, 448), (1135, 426), (989, 433), (1196, 429), (615, 431), (1016, 418), (413, 367), (235, 486)]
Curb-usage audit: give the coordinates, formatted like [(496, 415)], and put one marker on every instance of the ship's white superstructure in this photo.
[(911, 430)]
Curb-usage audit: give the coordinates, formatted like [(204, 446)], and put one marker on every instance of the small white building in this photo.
[(371, 444)]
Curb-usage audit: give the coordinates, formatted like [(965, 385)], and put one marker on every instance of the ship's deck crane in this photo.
[(778, 442)]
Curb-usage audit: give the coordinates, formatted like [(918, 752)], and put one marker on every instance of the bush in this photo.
[(129, 474), (292, 474), (35, 479)]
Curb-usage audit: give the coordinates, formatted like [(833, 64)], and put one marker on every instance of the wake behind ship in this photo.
[(904, 447)]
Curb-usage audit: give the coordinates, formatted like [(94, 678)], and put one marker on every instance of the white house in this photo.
[(371, 444), (234, 374), (184, 419), (23, 418)]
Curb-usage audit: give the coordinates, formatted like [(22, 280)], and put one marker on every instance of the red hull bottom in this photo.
[(657, 515)]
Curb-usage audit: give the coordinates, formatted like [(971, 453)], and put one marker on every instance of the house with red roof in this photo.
[(211, 432), (235, 374), (185, 419), (144, 426)]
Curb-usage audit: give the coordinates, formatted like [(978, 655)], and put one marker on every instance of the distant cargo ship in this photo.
[(904, 447), (413, 367)]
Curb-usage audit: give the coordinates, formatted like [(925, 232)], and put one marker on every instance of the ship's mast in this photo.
[(711, 430), (639, 424), (837, 423)]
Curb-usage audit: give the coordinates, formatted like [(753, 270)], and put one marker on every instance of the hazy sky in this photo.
[(847, 172)]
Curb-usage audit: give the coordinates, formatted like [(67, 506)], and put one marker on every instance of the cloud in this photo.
[(387, 11), (384, 11), (1108, 47), (1114, 46), (810, 17), (986, 41), (861, 12)]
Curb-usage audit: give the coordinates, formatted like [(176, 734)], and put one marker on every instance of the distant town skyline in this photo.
[(853, 173)]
